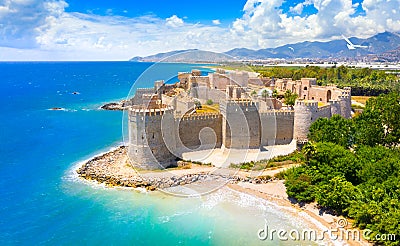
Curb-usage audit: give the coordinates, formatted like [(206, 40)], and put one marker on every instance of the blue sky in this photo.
[(121, 29), (201, 11)]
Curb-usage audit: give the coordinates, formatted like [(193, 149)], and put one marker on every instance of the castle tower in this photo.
[(151, 137), (305, 112), (345, 103), (241, 124)]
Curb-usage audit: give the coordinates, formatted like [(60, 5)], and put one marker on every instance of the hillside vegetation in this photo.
[(352, 166)]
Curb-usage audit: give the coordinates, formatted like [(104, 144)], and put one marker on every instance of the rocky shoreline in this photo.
[(114, 170), (122, 105)]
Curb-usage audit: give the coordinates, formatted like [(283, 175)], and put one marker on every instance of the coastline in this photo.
[(320, 222), (112, 169)]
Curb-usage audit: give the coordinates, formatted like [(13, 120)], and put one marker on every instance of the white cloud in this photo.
[(21, 20), (264, 25), (298, 9), (87, 36), (174, 21), (216, 22), (42, 30)]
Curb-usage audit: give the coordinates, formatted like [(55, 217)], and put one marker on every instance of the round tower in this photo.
[(304, 114), (151, 136), (345, 105)]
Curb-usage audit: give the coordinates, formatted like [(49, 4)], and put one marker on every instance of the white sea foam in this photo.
[(72, 176), (168, 218), (62, 109)]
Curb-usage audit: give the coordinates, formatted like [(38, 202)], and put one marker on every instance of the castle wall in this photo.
[(260, 81), (324, 93), (184, 79), (180, 105), (195, 81), (269, 104), (239, 78), (335, 107), (241, 127), (323, 112), (276, 127), (218, 81), (196, 131), (138, 97)]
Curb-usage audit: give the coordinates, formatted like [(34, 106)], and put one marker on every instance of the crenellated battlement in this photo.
[(145, 90), (242, 102), (344, 97), (143, 111), (334, 101), (325, 107), (307, 103), (197, 117), (277, 113)]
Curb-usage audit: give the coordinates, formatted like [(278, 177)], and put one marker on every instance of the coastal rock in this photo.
[(113, 170), (122, 105)]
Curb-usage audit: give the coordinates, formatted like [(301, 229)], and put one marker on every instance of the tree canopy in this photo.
[(353, 167)]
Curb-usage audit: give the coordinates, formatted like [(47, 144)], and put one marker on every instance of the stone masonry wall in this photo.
[(147, 134), (276, 127), (241, 129), (199, 130)]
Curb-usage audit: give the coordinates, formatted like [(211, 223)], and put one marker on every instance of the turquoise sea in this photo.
[(42, 201)]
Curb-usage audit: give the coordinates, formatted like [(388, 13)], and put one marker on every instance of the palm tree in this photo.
[(264, 94)]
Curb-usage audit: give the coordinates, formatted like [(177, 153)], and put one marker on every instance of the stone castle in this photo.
[(165, 121)]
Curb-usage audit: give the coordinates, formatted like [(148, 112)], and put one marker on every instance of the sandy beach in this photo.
[(113, 169)]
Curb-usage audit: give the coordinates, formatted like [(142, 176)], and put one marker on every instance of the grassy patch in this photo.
[(208, 109), (293, 158), (356, 106), (360, 99)]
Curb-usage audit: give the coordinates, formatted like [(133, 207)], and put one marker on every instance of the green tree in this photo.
[(298, 185), (209, 102), (379, 123), (337, 194), (309, 149), (290, 98), (275, 93), (335, 130), (264, 94)]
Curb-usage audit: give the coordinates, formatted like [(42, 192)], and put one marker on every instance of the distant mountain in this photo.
[(381, 44), (192, 55), (378, 44)]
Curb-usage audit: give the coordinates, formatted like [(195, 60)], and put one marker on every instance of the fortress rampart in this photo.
[(164, 127), (138, 98), (241, 126), (205, 131), (276, 127)]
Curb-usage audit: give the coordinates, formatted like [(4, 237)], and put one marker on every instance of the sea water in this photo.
[(44, 202)]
